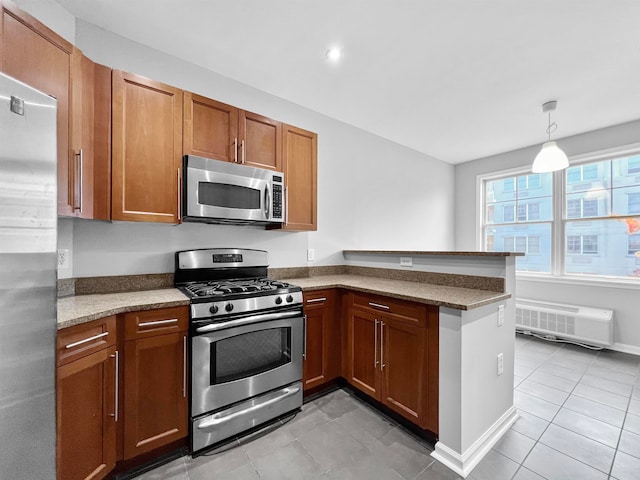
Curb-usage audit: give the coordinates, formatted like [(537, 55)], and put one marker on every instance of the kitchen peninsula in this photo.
[(472, 294)]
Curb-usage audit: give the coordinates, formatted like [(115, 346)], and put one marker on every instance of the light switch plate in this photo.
[(311, 254)]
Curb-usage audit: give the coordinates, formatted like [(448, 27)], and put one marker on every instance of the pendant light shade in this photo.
[(550, 157)]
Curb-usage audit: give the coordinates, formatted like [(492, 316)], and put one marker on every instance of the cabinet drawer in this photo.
[(318, 298), (160, 321), (81, 340), (413, 311)]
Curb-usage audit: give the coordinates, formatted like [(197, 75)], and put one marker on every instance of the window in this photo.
[(508, 214), (633, 203), (526, 204), (526, 182), (582, 173), (634, 244), (581, 208), (524, 244), (509, 185), (595, 220), (582, 244)]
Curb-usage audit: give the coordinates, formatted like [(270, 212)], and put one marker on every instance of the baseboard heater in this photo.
[(591, 326)]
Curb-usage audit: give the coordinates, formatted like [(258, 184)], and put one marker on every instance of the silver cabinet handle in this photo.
[(242, 151), (115, 414), (179, 195), (80, 159), (382, 365), (184, 366), (304, 345), (378, 305), (90, 339), (375, 344), (246, 320), (314, 300), (158, 322), (235, 150), (220, 418)]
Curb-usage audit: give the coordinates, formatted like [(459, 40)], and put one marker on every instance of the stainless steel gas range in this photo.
[(247, 336)]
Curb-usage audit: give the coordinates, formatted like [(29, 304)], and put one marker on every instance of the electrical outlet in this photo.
[(500, 315), (63, 258), (406, 261), (500, 364), (311, 254)]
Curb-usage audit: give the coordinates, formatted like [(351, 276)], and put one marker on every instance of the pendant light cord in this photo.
[(552, 126)]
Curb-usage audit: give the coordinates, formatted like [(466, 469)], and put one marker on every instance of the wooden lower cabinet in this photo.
[(392, 352), (86, 405), (322, 338), (120, 396), (155, 382)]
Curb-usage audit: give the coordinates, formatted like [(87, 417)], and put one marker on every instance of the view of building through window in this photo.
[(598, 224)]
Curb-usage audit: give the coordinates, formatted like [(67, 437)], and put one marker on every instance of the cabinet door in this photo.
[(91, 139), (40, 58), (322, 362), (300, 150), (403, 363), (210, 128), (155, 392), (86, 416), (364, 352), (260, 144), (146, 149)]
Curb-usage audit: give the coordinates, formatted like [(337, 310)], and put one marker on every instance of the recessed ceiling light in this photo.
[(334, 54)]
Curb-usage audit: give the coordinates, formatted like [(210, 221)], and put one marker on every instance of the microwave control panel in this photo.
[(277, 201)]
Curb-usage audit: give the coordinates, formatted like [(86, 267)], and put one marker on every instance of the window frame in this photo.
[(558, 229)]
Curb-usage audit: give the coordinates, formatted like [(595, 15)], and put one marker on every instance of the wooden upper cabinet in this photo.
[(210, 128), (219, 131), (146, 149), (35, 55), (260, 141), (91, 139), (300, 160)]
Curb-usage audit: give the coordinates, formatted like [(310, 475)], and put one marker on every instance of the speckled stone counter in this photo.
[(79, 309), (438, 295), (84, 308)]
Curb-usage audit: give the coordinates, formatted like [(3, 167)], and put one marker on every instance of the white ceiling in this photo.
[(454, 79)]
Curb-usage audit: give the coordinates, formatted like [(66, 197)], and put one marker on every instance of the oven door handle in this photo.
[(216, 421), (247, 320)]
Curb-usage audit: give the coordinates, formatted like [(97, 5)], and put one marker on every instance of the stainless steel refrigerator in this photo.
[(28, 241)]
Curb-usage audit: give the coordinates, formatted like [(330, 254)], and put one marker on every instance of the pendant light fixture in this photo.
[(550, 158)]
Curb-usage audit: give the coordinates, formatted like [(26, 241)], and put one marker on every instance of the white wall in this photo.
[(621, 298), (372, 193)]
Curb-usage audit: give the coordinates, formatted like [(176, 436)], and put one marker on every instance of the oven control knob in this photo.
[(213, 309), (289, 299), (228, 307), (278, 300)]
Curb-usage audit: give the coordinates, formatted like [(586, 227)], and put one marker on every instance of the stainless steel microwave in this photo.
[(224, 192)]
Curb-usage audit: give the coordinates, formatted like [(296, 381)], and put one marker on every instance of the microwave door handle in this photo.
[(267, 202)]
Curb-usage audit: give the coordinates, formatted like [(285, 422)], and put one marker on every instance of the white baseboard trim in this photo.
[(463, 463), (623, 347)]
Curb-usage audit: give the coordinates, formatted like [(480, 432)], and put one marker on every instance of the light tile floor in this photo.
[(579, 419)]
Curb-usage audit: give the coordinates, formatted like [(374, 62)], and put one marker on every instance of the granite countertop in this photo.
[(84, 308), (78, 309), (438, 295)]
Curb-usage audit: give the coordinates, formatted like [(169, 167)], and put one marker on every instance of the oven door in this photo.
[(226, 192), (244, 357)]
